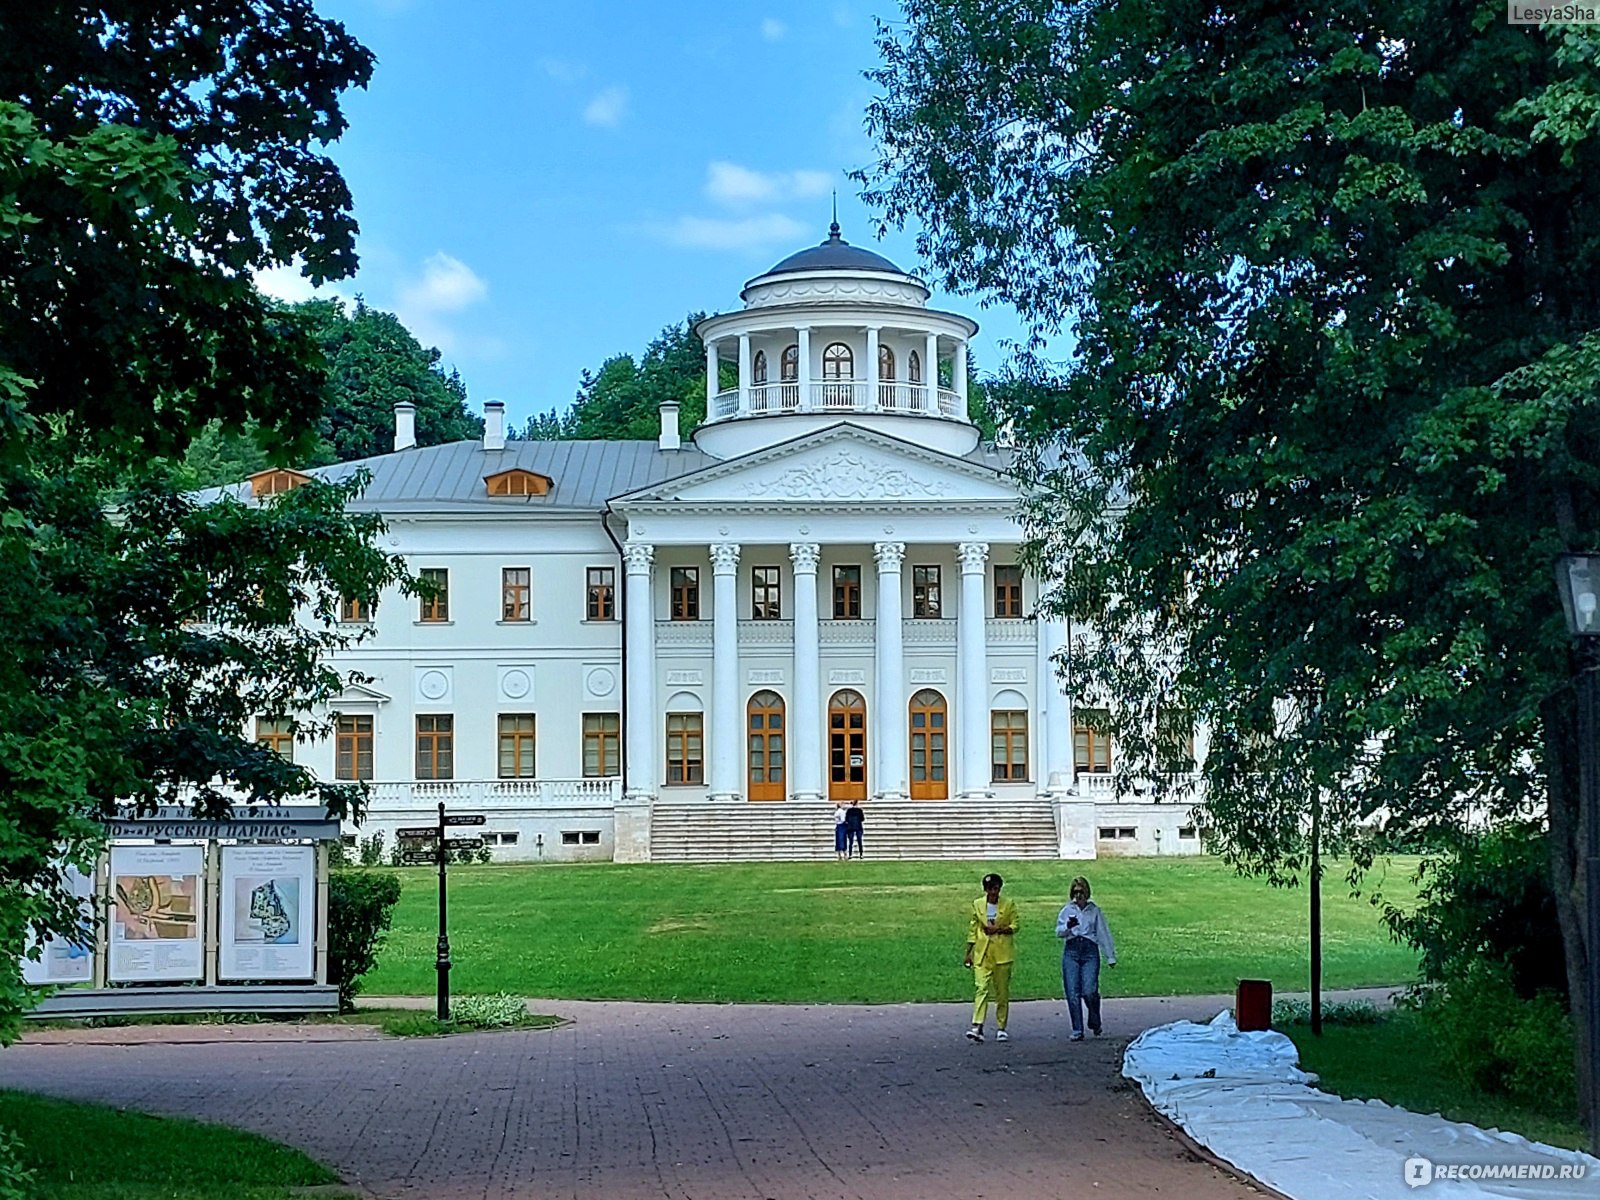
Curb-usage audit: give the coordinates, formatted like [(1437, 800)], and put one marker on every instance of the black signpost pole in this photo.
[(443, 962)]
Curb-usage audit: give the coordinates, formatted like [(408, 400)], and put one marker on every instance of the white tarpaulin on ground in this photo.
[(1242, 1096)]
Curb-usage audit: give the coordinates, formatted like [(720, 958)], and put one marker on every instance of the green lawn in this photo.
[(864, 931), (1396, 1061), (88, 1152)]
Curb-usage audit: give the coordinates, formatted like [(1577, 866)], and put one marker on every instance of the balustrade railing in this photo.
[(493, 794), (837, 395)]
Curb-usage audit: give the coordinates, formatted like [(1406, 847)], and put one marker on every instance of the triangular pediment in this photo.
[(360, 693), (843, 464)]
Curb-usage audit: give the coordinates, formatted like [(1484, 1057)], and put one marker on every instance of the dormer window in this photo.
[(517, 482), (275, 482)]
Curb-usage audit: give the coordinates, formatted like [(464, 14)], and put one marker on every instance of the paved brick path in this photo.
[(685, 1101)]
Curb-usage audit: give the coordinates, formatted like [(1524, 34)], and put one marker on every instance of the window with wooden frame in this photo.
[(1008, 738), (885, 363), (435, 595), (766, 594), (1091, 741), (838, 362), (352, 746), (685, 748), (926, 602), (685, 585), (602, 751), (758, 367), (275, 482), (602, 594), (354, 611), (436, 753), (277, 735), (1008, 591), (847, 593), (914, 367), (516, 594), (789, 365), (1174, 740), (518, 482), (516, 746)]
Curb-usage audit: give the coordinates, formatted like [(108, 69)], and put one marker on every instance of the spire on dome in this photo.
[(833, 230)]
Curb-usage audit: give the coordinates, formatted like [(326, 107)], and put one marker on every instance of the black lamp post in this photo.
[(1578, 580)]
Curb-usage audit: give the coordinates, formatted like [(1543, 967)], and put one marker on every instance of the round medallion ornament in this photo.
[(601, 682), (516, 684), (433, 685)]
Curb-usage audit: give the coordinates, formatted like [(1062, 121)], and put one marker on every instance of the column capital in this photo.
[(889, 555), (638, 556), (724, 558), (973, 555), (805, 556)]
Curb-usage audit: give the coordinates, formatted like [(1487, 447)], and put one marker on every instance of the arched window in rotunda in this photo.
[(838, 369)]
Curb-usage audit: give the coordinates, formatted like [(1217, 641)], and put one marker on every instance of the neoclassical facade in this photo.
[(695, 647)]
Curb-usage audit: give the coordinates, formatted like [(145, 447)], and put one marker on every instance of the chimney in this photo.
[(405, 425), (494, 425), (670, 439)]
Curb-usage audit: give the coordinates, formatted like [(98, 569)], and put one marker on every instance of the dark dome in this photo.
[(835, 254)]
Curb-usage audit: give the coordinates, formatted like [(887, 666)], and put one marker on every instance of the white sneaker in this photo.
[(975, 1034), (1000, 1035)]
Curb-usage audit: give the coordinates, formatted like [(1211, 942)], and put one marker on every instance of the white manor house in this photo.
[(694, 649)]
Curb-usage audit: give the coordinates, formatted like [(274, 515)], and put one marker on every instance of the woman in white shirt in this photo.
[(840, 845), (1084, 933)]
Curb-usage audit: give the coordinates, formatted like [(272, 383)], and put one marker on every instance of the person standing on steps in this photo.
[(1084, 933), (991, 950), (853, 817), (841, 833)]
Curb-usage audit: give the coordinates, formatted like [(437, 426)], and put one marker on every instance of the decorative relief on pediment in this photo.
[(846, 475)]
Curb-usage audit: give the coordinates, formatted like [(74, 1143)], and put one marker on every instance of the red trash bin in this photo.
[(1252, 1005)]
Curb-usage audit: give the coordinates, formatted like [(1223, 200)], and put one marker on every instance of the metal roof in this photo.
[(835, 254)]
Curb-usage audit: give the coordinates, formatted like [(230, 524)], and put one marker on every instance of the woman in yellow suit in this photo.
[(991, 949)]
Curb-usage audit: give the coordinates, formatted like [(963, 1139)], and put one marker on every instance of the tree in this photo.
[(151, 159), (1332, 279)]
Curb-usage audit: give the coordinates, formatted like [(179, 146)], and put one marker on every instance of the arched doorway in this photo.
[(930, 777), (767, 768), (847, 747)]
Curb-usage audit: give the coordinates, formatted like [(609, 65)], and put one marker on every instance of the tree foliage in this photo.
[(1332, 278), (151, 159)]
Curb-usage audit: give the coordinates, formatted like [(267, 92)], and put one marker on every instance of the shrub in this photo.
[(360, 908), (485, 855), (500, 1011), (16, 1180), (372, 850), (1334, 1012), (397, 854)]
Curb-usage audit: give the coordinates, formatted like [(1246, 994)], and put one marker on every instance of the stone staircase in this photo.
[(703, 831)]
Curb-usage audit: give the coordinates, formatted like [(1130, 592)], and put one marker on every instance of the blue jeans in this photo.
[(1080, 979)]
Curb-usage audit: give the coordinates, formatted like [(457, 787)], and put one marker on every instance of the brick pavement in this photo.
[(694, 1102)]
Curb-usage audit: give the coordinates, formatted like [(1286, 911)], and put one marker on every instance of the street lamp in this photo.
[(1578, 580)]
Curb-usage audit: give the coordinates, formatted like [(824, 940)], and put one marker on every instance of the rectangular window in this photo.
[(1091, 741), (354, 610), (685, 593), (516, 745), (847, 593), (591, 837), (501, 839), (516, 590), (925, 601), (1117, 833), (1009, 738), (1186, 831), (569, 837), (1008, 591), (766, 594), (685, 748), (602, 751), (436, 597), (276, 735), (602, 604), (1174, 741), (352, 756), (436, 755)]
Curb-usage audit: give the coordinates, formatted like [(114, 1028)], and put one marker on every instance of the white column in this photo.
[(727, 726), (711, 380), (873, 396), (958, 377), (930, 375), (805, 713), (744, 372), (641, 695), (1055, 713), (889, 770), (803, 343), (972, 676)]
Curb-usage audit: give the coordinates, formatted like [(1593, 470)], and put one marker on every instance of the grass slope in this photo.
[(88, 1152), (865, 932)]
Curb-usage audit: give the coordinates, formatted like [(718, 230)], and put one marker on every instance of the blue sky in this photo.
[(540, 186)]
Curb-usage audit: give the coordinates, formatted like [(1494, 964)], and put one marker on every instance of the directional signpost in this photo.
[(425, 844)]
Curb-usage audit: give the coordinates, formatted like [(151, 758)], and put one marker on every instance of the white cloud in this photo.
[(773, 29), (734, 186), (732, 233), (608, 108), (447, 285), (288, 284)]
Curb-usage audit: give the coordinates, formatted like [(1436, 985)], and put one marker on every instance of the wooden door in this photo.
[(929, 760), (767, 765), (847, 747)]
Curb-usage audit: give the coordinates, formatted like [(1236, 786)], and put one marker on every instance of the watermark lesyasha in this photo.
[(1519, 12), (1419, 1171)]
